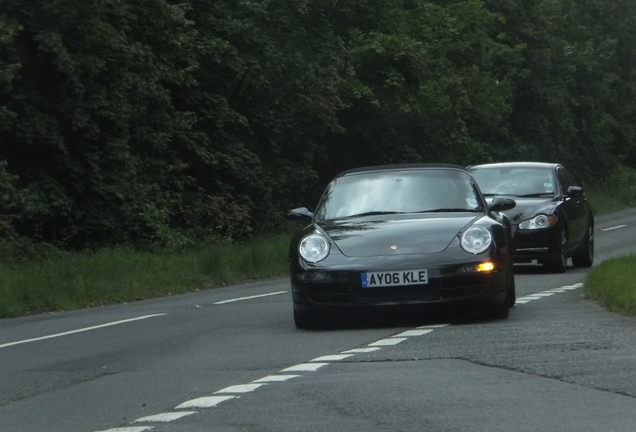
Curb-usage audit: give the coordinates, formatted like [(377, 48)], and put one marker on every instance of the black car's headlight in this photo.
[(476, 239), (539, 222), (313, 248)]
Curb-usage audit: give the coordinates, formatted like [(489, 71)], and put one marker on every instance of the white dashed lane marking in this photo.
[(361, 350), (547, 293), (275, 378), (130, 429), (387, 342), (241, 388), (204, 402), (305, 367), (164, 417), (418, 332), (311, 366), (334, 357), (249, 298), (614, 228)]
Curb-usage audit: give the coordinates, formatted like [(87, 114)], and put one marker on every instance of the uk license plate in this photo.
[(396, 278)]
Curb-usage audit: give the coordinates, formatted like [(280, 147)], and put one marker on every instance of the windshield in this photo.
[(519, 182), (407, 191)]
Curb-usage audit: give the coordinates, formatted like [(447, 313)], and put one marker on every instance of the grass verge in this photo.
[(612, 284), (122, 275)]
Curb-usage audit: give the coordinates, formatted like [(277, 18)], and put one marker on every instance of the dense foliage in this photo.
[(160, 123)]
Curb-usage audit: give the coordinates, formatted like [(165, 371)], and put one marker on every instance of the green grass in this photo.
[(613, 285), (122, 275), (616, 194)]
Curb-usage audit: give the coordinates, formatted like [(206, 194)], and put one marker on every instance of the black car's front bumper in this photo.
[(540, 244), (447, 284)]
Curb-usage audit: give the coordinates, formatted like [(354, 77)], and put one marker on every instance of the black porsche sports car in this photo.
[(552, 220), (397, 235)]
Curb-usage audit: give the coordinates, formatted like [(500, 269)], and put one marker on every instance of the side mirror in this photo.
[(300, 214), (502, 204), (575, 190)]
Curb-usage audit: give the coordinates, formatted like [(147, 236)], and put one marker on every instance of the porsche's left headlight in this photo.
[(476, 239), (313, 248)]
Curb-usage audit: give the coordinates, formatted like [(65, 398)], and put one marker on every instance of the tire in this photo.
[(512, 291), (585, 257), (502, 310), (559, 264), (304, 320)]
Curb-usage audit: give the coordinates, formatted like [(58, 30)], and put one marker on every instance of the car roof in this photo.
[(398, 167), (516, 165)]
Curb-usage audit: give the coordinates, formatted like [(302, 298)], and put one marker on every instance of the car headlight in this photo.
[(313, 248), (476, 239), (539, 222)]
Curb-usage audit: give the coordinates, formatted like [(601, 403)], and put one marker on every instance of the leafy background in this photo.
[(165, 124)]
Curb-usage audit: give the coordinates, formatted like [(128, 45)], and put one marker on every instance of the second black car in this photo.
[(552, 220)]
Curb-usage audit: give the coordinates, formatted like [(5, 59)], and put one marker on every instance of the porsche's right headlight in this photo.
[(476, 239), (313, 248)]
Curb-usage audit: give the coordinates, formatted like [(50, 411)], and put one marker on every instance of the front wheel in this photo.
[(500, 311), (586, 257), (304, 320), (560, 263), (512, 292)]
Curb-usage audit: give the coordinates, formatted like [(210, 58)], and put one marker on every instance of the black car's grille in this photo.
[(337, 294), (400, 293), (438, 289), (331, 299), (448, 293)]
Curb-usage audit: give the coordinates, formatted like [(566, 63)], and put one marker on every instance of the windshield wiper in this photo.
[(488, 195), (535, 195), (372, 213), (449, 209)]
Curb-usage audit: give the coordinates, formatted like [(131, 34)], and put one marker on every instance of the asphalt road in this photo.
[(231, 360)]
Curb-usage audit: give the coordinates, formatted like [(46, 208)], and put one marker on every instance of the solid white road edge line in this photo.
[(80, 330)]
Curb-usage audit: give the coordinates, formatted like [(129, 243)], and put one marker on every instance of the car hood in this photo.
[(527, 208), (375, 236)]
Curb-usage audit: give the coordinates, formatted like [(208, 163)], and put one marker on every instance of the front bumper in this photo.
[(447, 284), (537, 245)]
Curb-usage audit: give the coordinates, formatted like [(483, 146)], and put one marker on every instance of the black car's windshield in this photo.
[(403, 191), (521, 182)]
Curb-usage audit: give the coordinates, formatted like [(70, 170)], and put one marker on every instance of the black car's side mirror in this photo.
[(300, 214), (575, 190), (502, 204)]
